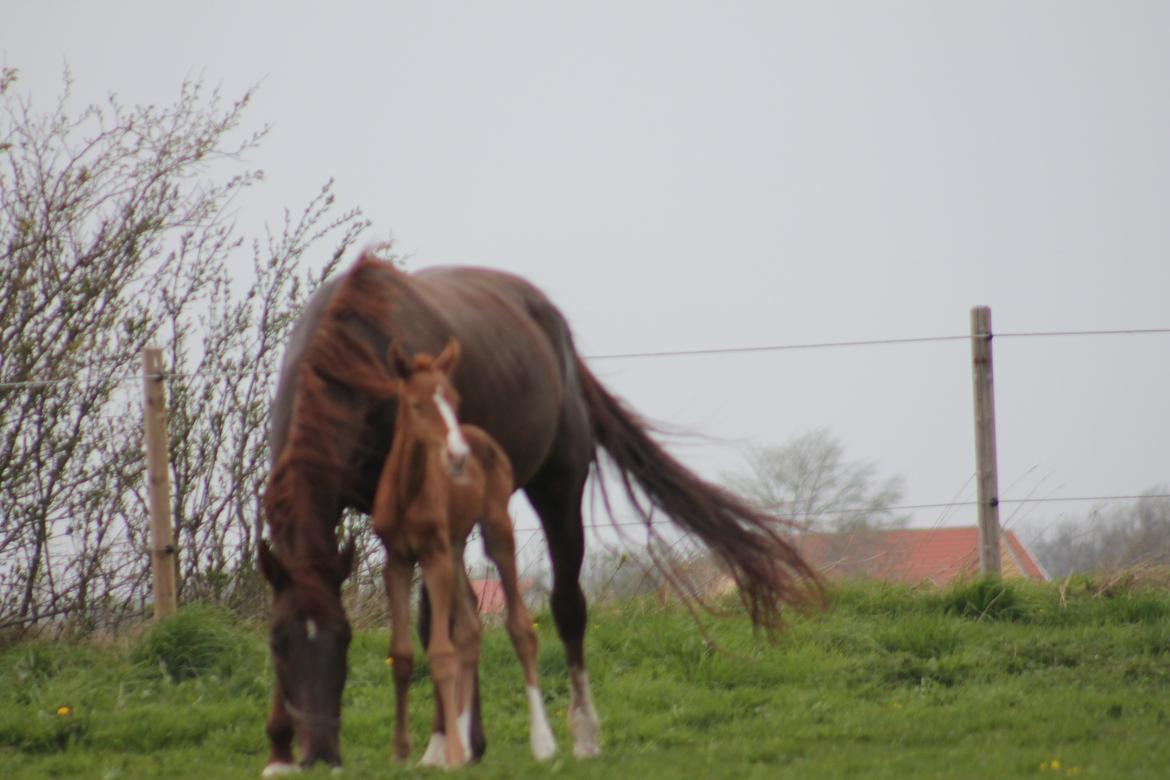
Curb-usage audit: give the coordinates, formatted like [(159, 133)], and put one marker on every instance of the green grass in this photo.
[(979, 681)]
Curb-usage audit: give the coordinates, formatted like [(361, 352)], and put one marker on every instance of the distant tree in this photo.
[(1110, 537), (117, 230), (810, 481)]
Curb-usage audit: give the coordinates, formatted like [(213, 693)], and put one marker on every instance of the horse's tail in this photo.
[(765, 565)]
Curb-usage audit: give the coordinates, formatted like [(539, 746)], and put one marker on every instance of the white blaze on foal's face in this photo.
[(456, 444)]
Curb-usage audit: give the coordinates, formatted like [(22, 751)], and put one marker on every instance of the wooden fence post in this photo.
[(162, 539), (985, 458)]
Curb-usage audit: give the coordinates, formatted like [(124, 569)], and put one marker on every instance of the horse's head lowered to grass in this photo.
[(309, 638)]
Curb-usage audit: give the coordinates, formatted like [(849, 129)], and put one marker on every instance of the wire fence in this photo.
[(854, 343), (128, 548), (910, 340)]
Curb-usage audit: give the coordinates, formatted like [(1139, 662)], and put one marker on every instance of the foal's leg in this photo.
[(466, 631), (438, 574), (397, 577), (500, 545), (556, 496), (436, 746)]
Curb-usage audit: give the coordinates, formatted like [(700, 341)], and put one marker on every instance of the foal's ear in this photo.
[(271, 567), (399, 361), (449, 357)]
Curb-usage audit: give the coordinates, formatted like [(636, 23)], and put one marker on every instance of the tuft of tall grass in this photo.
[(198, 640), (985, 598)]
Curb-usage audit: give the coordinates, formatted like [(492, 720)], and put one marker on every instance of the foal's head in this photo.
[(428, 403)]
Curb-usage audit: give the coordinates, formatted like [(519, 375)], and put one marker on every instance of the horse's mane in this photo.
[(342, 373)]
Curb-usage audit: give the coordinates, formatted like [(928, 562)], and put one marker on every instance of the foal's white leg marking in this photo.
[(463, 724), (540, 736), (276, 769), (583, 722), (311, 629), (456, 444), (436, 753)]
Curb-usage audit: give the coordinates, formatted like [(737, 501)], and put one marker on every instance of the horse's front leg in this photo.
[(397, 578), (438, 575), (280, 735)]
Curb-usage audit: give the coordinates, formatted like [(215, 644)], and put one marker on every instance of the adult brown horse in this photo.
[(523, 382)]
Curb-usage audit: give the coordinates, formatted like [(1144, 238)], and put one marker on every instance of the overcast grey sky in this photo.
[(683, 175)]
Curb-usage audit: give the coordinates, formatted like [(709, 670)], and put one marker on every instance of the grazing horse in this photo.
[(440, 480), (522, 381)]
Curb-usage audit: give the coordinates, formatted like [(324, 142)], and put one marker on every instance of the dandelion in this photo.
[(389, 660), (64, 711)]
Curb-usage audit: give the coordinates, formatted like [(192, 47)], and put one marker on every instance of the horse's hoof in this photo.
[(276, 769), (586, 733)]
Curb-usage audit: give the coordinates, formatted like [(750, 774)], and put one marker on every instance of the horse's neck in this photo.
[(303, 520)]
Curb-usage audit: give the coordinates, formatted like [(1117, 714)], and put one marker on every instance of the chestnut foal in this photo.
[(439, 480)]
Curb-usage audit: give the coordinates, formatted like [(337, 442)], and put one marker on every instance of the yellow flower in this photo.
[(389, 660), (64, 711), (1055, 764)]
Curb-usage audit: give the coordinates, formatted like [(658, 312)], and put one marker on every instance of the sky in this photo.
[(703, 176)]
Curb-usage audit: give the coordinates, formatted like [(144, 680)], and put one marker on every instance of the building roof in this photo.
[(913, 555), (489, 595)]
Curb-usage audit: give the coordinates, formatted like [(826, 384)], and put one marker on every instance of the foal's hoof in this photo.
[(436, 753), (277, 769)]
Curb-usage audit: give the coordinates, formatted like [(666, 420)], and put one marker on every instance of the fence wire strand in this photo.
[(137, 376)]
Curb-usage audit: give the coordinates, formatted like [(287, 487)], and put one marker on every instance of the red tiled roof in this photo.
[(913, 555), (489, 595)]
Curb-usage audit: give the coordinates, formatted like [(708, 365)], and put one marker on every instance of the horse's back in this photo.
[(518, 374)]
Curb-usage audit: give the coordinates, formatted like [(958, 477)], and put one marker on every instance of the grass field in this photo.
[(973, 682)]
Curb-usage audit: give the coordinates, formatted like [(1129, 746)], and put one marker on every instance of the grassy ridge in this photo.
[(980, 681)]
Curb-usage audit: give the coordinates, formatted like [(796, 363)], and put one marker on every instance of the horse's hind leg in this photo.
[(500, 545), (556, 495), (397, 577)]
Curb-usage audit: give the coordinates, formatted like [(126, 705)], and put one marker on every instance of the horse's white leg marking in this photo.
[(276, 769), (540, 736), (456, 444), (583, 722), (436, 753)]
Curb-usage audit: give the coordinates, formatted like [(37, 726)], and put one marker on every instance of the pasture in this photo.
[(979, 682)]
